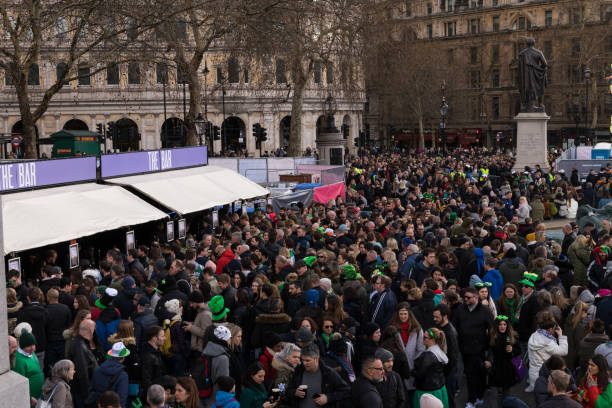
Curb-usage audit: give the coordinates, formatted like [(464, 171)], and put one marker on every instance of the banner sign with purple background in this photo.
[(32, 174), (123, 164)]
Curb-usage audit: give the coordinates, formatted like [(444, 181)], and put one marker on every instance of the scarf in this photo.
[(404, 332), (547, 335), (326, 337), (346, 365), (522, 301), (511, 310)]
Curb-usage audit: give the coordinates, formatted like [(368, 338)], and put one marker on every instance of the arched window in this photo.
[(233, 70), (134, 73), (61, 27), (60, 68), (84, 74), (34, 75)]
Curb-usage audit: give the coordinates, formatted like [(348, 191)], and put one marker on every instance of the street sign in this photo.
[(16, 140)]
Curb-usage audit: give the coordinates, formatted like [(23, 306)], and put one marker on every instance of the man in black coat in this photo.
[(472, 321), (321, 380), (61, 319), (151, 363), (84, 361), (391, 388), (37, 316), (440, 317), (364, 393)]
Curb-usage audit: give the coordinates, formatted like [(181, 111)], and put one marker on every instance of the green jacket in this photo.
[(537, 210), (252, 398), (30, 369), (605, 398), (580, 257)]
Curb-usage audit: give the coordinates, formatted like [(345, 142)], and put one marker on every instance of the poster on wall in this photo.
[(73, 251), (182, 228), (215, 216), (130, 240), (170, 231), (14, 264)]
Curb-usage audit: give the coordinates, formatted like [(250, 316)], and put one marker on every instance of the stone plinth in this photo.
[(331, 148), (531, 144)]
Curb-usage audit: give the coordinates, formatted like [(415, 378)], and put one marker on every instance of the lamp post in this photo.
[(587, 78), (199, 123), (205, 72), (329, 109), (443, 112), (576, 120), (483, 119), (165, 125)]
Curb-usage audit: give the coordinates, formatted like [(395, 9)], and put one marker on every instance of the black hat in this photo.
[(272, 339), (226, 383), (303, 335), (144, 301), (196, 297), (370, 328)]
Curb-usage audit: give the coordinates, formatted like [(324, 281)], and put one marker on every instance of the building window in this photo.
[(429, 31), (245, 73), (408, 8), (429, 9), (473, 55), (495, 53), (220, 78), (112, 74), (132, 29), (34, 75), (84, 74), (443, 5), (548, 18), (495, 3), (329, 72), (60, 69), (180, 30), (574, 74), (495, 78), (576, 15), (161, 72), (134, 73), (61, 27), (181, 76), (281, 75), (317, 72), (521, 23), (475, 79), (8, 78), (495, 107), (450, 29), (475, 26), (233, 70), (576, 47), (495, 24), (548, 49), (609, 43)]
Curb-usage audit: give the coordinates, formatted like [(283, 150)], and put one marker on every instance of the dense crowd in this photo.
[(433, 279)]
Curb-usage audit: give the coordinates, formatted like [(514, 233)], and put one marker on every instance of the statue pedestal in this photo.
[(531, 145), (331, 148)]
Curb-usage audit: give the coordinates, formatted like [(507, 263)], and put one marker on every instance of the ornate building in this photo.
[(147, 102), (476, 44)]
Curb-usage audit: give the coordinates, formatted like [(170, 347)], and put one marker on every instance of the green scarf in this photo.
[(326, 338), (512, 308)]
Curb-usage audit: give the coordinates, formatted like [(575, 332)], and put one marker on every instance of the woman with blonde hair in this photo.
[(575, 329), (125, 334), (523, 210)]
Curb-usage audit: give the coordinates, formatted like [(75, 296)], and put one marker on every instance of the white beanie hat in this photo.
[(222, 333), (429, 401), (19, 329), (173, 306)]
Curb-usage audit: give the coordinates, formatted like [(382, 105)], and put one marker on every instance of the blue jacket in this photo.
[(382, 308), (409, 265), (225, 400), (497, 283), (104, 330), (420, 272), (101, 379)]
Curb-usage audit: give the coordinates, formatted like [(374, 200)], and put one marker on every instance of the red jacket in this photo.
[(227, 256), (266, 360)]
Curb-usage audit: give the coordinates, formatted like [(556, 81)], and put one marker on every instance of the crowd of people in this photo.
[(432, 281)]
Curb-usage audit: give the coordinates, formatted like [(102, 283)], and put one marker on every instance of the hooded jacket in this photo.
[(202, 321), (219, 365), (512, 270), (100, 382), (542, 346), (225, 400), (429, 369), (227, 256)]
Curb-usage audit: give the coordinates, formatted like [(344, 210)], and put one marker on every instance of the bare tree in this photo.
[(77, 30)]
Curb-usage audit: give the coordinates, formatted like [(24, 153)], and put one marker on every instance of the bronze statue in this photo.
[(532, 78)]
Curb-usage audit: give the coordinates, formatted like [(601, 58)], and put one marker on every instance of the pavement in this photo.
[(517, 391)]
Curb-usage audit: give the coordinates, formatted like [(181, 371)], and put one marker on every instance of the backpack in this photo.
[(46, 403), (166, 348), (201, 373)]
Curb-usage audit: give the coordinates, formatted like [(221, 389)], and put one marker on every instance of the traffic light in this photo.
[(207, 130), (563, 134), (216, 133), (263, 134), (256, 130), (111, 131), (356, 141), (100, 128)]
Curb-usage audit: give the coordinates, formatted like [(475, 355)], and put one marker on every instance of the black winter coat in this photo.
[(502, 372), (428, 372), (151, 366), (84, 364), (266, 323), (37, 316), (332, 386), (526, 323), (391, 389), (365, 395), (472, 328)]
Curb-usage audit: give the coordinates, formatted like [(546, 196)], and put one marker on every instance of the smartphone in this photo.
[(315, 396)]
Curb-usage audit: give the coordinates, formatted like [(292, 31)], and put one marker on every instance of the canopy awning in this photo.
[(194, 189), (33, 219)]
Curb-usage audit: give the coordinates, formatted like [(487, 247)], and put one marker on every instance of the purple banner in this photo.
[(124, 164), (32, 174)]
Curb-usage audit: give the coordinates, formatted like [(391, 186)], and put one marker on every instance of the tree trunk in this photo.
[(27, 120), (593, 103), (195, 104), (297, 102), (421, 133)]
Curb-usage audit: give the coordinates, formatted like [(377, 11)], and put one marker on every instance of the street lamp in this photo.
[(587, 78), (199, 123), (443, 112), (329, 109), (483, 119), (205, 72)]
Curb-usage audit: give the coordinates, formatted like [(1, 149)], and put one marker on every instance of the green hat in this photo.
[(217, 308), (118, 350), (350, 272), (309, 260), (529, 279), (26, 339)]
